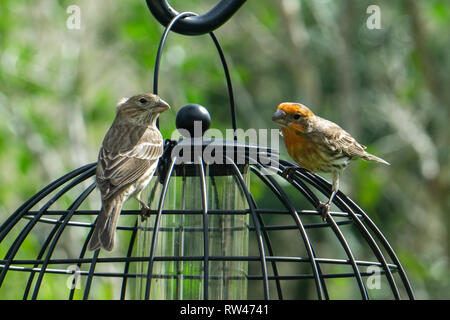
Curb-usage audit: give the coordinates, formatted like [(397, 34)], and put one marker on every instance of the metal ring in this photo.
[(200, 24)]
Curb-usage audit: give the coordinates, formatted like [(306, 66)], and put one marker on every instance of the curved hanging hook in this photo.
[(161, 46), (172, 24), (199, 24)]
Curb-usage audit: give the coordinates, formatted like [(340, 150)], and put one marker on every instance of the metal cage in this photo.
[(266, 279)]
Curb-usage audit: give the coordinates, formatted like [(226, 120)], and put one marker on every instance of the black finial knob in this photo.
[(194, 118)]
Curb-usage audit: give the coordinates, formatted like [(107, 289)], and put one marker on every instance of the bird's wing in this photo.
[(340, 141), (128, 151)]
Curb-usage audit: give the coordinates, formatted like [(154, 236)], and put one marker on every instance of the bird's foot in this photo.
[(289, 173), (323, 208), (145, 212), (145, 209)]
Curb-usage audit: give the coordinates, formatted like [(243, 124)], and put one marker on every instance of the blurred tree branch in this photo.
[(436, 186), (295, 42), (429, 70)]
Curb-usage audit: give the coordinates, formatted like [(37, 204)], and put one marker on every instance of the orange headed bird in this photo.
[(318, 145)]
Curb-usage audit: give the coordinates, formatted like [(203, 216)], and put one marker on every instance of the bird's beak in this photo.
[(279, 116), (162, 106)]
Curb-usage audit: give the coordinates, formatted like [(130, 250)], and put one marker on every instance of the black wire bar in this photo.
[(81, 256), (92, 266), (341, 201), (83, 172), (264, 230), (256, 223), (311, 253), (177, 19), (24, 208), (279, 191), (161, 46), (57, 235), (200, 229), (276, 189), (197, 277), (31, 214), (324, 187), (127, 263), (156, 228), (301, 180), (308, 246), (17, 263), (205, 230)]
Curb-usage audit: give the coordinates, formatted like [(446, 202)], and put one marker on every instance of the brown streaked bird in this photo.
[(127, 161), (318, 145)]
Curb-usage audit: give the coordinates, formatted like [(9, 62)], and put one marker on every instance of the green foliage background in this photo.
[(388, 87)]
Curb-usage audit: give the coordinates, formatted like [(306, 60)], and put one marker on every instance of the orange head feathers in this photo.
[(290, 114), (292, 108)]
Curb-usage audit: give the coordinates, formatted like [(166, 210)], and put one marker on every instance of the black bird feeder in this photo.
[(207, 237)]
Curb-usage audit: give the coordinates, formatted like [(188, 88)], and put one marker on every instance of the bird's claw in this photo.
[(289, 173), (145, 212), (323, 208)]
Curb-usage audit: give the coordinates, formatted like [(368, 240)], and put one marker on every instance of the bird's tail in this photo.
[(371, 157), (105, 227)]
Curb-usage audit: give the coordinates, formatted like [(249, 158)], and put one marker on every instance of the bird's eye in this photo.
[(143, 100), (296, 116)]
